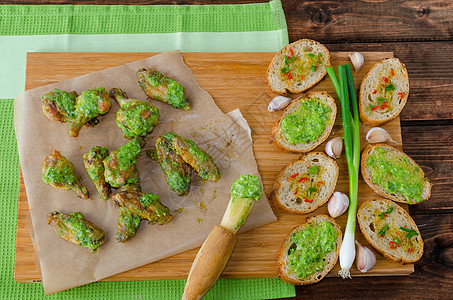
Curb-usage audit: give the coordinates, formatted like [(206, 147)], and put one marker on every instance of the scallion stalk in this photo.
[(345, 89)]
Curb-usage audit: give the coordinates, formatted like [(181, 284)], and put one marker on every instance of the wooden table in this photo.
[(420, 33)]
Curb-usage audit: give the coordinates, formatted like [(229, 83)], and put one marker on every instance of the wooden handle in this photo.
[(209, 262)]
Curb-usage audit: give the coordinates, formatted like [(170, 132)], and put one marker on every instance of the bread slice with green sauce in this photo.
[(383, 92), (391, 230), (310, 251), (394, 175), (305, 123), (305, 184), (298, 67)]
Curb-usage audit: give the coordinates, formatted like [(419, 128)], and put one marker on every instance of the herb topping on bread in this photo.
[(310, 251), (390, 229), (298, 66), (305, 184)]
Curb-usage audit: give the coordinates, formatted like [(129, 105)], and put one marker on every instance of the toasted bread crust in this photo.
[(304, 159), (277, 138), (364, 93), (279, 56), (381, 191), (333, 256), (373, 238)]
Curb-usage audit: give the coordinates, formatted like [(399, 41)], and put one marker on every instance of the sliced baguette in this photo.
[(283, 270), (300, 82), (391, 152), (409, 250), (278, 137), (284, 197), (372, 88)]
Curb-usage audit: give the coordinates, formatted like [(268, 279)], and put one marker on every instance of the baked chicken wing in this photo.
[(75, 229), (93, 161), (196, 157), (59, 106), (147, 206), (128, 224), (120, 166), (176, 171), (59, 172), (135, 118), (159, 87), (89, 105)]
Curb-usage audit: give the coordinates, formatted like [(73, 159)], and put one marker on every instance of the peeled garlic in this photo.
[(338, 204), (365, 259), (378, 135), (334, 147), (279, 103), (357, 60)]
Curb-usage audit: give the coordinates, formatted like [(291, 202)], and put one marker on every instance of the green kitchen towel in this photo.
[(86, 28)]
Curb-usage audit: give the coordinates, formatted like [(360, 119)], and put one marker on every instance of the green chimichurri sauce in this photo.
[(246, 186), (149, 199), (137, 118), (128, 153), (307, 123), (396, 174), (59, 175), (175, 93), (309, 248), (64, 101)]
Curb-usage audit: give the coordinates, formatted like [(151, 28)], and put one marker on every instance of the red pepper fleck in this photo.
[(375, 107), (287, 56), (393, 245), (295, 193), (399, 234), (288, 75), (385, 105), (303, 179), (320, 183), (385, 79), (307, 200), (410, 250), (375, 91), (401, 95), (385, 215), (291, 51), (302, 77), (293, 176), (393, 73)]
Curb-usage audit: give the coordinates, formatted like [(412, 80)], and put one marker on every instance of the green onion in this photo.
[(345, 89), (383, 230), (410, 232), (388, 211), (313, 170)]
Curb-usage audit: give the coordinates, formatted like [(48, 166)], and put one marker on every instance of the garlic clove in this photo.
[(334, 147), (357, 60), (365, 259), (279, 103), (378, 135), (338, 204)]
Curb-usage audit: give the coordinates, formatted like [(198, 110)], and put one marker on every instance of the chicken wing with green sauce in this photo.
[(120, 166), (89, 105), (196, 157), (75, 229), (128, 224), (93, 161), (135, 118), (59, 106), (59, 172), (146, 206), (159, 87), (177, 173)]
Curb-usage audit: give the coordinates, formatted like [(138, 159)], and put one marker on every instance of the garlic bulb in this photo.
[(357, 60), (365, 259), (338, 204), (378, 135), (279, 103), (334, 147)]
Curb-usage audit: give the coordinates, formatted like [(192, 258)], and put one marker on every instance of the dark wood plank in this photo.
[(369, 21), (432, 147), (430, 74), (432, 279)]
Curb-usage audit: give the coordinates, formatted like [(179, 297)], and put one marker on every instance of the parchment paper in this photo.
[(65, 265)]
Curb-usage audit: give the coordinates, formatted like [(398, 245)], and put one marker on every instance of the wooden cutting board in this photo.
[(235, 80)]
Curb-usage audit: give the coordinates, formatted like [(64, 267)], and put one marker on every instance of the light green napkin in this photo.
[(86, 28)]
